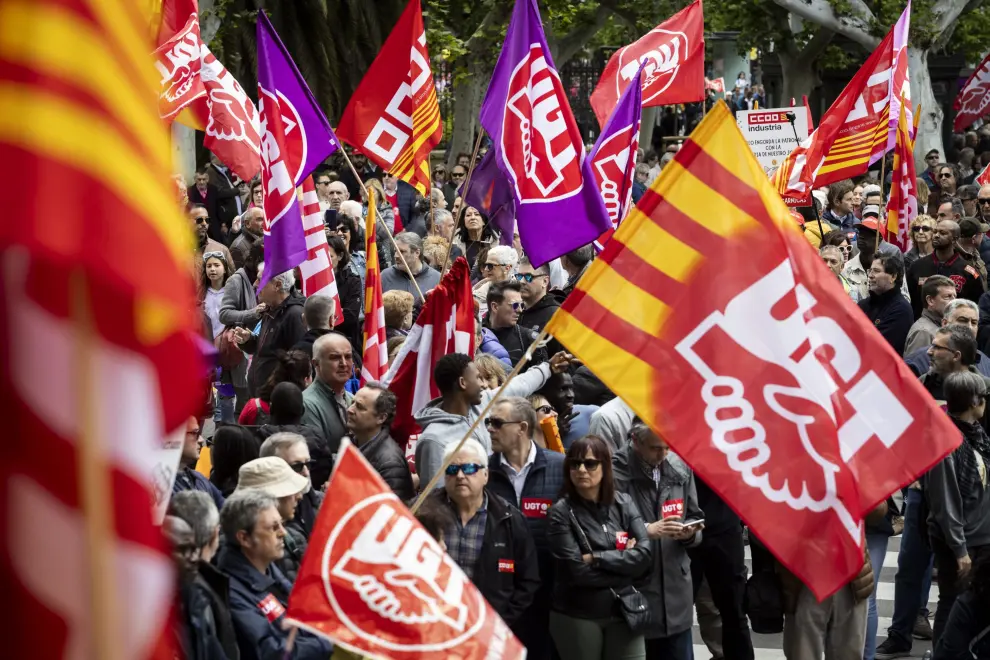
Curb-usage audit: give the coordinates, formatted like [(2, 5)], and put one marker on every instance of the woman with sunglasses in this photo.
[(543, 410), (489, 539), (499, 265), (601, 549), (947, 179), (922, 231)]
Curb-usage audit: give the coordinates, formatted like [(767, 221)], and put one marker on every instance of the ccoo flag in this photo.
[(612, 161), (295, 138), (771, 384), (538, 144), (394, 116)]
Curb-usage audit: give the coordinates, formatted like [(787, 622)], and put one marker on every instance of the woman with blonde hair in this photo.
[(921, 233), (491, 371), (543, 410), (435, 251), (398, 312)]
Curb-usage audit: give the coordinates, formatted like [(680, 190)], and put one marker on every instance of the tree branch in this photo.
[(947, 12), (819, 12), (817, 44), (495, 16), (567, 46)]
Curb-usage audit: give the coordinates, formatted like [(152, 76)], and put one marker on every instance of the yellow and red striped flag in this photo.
[(393, 116), (97, 322), (902, 207), (713, 318), (375, 355)]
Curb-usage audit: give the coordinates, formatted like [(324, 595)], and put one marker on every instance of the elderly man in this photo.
[(252, 231), (489, 539), (835, 260), (253, 541), (937, 291), (886, 308), (368, 419), (273, 476), (397, 278), (983, 203), (207, 593), (662, 488), (462, 396), (281, 328), (499, 266), (336, 192), (325, 400), (945, 260), (530, 478), (293, 448)]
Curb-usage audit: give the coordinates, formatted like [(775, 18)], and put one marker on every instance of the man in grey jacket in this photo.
[(662, 487), (937, 292), (462, 398), (398, 278)]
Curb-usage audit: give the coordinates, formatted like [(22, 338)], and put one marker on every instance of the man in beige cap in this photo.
[(274, 477)]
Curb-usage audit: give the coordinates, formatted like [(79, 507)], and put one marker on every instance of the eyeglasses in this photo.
[(388, 175), (497, 423), (589, 464), (942, 348), (457, 175), (299, 466), (323, 183), (546, 410), (945, 175), (202, 221), (983, 201), (528, 277), (922, 228), (518, 306), (439, 171), (212, 255), (194, 432), (489, 266), (467, 468)]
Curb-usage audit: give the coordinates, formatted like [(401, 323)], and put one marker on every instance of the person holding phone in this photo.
[(662, 488)]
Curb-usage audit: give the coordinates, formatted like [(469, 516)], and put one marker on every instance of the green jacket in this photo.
[(321, 411)]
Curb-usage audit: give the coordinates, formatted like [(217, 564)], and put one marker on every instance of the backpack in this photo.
[(764, 601), (229, 354)]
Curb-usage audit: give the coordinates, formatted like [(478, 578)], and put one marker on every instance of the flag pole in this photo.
[(791, 117), (883, 163), (527, 356), (94, 481), (378, 218), (460, 213)]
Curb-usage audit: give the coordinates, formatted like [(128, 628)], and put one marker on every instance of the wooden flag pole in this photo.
[(95, 487), (460, 213), (883, 163), (378, 219), (527, 356)]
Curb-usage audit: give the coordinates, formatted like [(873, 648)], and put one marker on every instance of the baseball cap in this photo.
[(970, 227), (871, 216), (272, 475)]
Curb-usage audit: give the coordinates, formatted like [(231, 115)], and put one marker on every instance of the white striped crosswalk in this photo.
[(768, 647)]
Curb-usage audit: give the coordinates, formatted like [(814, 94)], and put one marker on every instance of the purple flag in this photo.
[(611, 164), (489, 191), (295, 138), (538, 145)]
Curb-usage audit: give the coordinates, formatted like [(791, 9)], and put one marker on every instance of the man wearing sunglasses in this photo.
[(462, 396), (530, 478), (930, 175), (504, 304), (983, 203), (199, 217), (489, 539)]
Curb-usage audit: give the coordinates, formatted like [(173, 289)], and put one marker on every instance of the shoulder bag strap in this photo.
[(581, 535)]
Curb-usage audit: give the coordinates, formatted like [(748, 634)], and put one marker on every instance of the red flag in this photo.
[(674, 54), (100, 364), (771, 384), (973, 101), (393, 116), (445, 325), (199, 91), (983, 178), (317, 270), (375, 354), (902, 207), (375, 582)]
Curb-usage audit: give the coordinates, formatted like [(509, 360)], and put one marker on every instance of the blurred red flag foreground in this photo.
[(374, 581)]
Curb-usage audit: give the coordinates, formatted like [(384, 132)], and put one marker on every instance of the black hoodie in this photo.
[(281, 328)]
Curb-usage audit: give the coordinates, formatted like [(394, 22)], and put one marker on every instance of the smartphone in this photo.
[(693, 523)]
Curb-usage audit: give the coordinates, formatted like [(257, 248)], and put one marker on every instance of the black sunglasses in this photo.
[(546, 410), (497, 423), (467, 468), (457, 174), (983, 201), (299, 466), (590, 464), (945, 175), (922, 228), (202, 221)]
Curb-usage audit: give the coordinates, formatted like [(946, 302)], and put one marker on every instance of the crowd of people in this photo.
[(612, 542)]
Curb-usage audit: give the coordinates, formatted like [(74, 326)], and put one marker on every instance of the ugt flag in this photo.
[(771, 384), (538, 144), (376, 583), (973, 100), (612, 161), (295, 138), (674, 55)]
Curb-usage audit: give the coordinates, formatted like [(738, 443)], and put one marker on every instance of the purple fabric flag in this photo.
[(295, 138), (611, 164), (491, 193), (538, 145)]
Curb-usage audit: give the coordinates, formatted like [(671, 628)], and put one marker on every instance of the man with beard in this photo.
[(187, 478), (201, 222), (944, 260), (203, 193), (252, 232)]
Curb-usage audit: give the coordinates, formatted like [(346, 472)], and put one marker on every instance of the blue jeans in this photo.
[(914, 572), (876, 544), (675, 647)]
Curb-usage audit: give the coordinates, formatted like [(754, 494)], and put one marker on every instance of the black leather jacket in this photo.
[(583, 590)]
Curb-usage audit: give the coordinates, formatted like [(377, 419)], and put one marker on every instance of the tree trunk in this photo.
[(468, 94), (930, 124), (800, 78), (184, 151), (646, 128)]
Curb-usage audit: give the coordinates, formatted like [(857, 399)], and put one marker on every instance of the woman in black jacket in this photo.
[(349, 289), (600, 547)]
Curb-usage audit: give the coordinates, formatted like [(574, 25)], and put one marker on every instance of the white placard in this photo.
[(770, 135)]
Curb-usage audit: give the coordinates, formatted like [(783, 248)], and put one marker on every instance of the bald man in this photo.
[(325, 401), (252, 231)]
